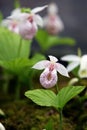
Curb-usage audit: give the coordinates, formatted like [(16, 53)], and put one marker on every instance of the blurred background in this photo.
[(73, 15)]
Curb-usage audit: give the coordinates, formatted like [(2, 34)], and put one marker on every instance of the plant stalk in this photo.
[(19, 47), (60, 120)]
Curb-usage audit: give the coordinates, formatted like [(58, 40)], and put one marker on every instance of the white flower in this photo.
[(77, 61), (2, 127), (52, 21), (83, 67), (49, 78)]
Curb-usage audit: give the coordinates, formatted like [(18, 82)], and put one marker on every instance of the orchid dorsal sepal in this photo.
[(52, 58), (38, 9)]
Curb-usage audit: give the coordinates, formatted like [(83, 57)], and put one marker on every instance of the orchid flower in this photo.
[(48, 77), (30, 23), (77, 61), (52, 21), (12, 22), (25, 24), (2, 127)]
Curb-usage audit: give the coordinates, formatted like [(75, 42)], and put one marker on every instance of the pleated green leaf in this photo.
[(41, 97), (10, 45), (20, 65), (66, 94)]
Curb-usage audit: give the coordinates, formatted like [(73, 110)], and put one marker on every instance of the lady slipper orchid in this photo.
[(12, 22), (29, 25), (77, 61), (26, 24), (48, 77), (52, 21)]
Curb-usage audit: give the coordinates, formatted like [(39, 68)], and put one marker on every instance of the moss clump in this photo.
[(25, 115)]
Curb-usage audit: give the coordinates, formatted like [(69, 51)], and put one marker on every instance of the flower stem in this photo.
[(18, 89), (57, 89), (60, 119), (19, 47)]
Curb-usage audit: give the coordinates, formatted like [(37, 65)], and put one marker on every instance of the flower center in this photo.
[(30, 18), (51, 68), (49, 76), (14, 24)]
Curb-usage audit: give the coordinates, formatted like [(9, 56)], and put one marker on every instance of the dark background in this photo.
[(72, 12)]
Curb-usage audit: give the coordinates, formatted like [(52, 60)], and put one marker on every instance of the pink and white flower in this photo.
[(30, 23), (52, 21), (76, 61), (48, 77), (12, 22), (25, 24)]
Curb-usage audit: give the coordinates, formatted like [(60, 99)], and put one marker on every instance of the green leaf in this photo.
[(49, 125), (41, 97), (20, 65), (10, 46), (46, 41), (15, 66), (75, 71), (66, 94), (37, 57)]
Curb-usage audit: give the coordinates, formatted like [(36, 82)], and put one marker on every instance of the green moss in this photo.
[(23, 115)]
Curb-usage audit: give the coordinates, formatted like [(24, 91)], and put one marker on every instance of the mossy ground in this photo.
[(25, 115)]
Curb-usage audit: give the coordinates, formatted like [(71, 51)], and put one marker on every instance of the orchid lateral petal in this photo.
[(61, 69), (70, 58), (38, 20), (38, 9), (72, 65), (41, 65)]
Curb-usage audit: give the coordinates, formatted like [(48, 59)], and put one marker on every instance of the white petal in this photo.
[(38, 9), (59, 24), (5, 23), (38, 20), (70, 58), (2, 127), (41, 65), (61, 69), (72, 66), (83, 62), (52, 8), (83, 67), (53, 58), (82, 73), (16, 11)]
